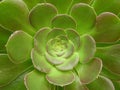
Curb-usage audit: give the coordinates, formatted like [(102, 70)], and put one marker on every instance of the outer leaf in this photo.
[(4, 35), (107, 28), (32, 3), (106, 6), (35, 80), (9, 71), (117, 85), (81, 1), (56, 77), (110, 57), (14, 15), (87, 48), (41, 15), (62, 5), (76, 85), (84, 21), (111, 75), (19, 53), (89, 72), (63, 21), (102, 83), (18, 83), (40, 62)]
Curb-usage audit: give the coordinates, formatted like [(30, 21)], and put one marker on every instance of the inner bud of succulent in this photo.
[(60, 52), (57, 46)]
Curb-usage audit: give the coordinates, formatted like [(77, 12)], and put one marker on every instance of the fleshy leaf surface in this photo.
[(9, 71), (40, 62), (116, 84), (84, 21), (87, 48), (32, 3), (18, 83), (69, 50), (109, 74), (101, 83), (54, 60), (55, 77), (76, 85), (106, 6), (14, 15), (36, 80), (89, 72), (70, 62), (62, 5), (40, 40), (107, 28), (74, 37), (111, 57), (81, 1), (19, 53), (54, 33), (63, 21), (4, 35), (41, 15)]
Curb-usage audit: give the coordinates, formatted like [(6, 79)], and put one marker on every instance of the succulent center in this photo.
[(57, 46)]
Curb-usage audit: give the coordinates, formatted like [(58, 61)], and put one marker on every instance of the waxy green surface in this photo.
[(59, 45)]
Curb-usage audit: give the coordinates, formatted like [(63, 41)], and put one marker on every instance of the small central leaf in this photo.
[(57, 46)]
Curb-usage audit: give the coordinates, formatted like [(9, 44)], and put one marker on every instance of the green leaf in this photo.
[(4, 35), (40, 62), (74, 37), (19, 53), (41, 15), (117, 85), (62, 5), (107, 25), (18, 83), (109, 74), (111, 57), (57, 46), (81, 1), (69, 50), (60, 78), (63, 21), (106, 6), (36, 80), (55, 32), (14, 15), (10, 71), (87, 48), (40, 40), (76, 85), (89, 72), (54, 60), (85, 22), (32, 3), (70, 63), (101, 83)]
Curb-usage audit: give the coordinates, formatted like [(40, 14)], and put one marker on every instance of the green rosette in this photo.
[(59, 45)]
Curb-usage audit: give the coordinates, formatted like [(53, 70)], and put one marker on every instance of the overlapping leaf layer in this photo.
[(59, 45)]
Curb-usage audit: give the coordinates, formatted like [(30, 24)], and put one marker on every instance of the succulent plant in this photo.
[(59, 45)]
